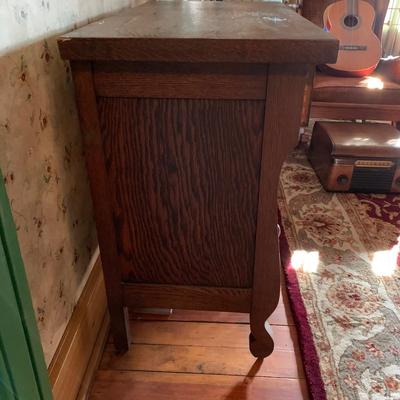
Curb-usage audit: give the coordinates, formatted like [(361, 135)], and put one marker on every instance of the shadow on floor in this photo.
[(239, 391)]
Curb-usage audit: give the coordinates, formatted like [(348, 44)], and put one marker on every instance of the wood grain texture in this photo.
[(127, 385), (183, 80), (191, 315), (95, 359), (280, 316), (210, 334), (244, 32), (184, 177), (202, 360), (187, 297), (90, 126), (281, 128), (68, 367), (350, 111)]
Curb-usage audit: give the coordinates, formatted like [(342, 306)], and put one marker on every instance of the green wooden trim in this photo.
[(14, 349), (18, 329), (6, 385)]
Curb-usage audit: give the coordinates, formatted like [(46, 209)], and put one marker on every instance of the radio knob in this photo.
[(342, 180)]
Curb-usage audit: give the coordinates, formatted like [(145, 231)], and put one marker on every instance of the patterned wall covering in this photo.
[(41, 154)]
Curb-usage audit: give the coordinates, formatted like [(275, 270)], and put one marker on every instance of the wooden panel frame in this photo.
[(187, 297), (282, 120), (185, 80), (201, 157), (87, 108)]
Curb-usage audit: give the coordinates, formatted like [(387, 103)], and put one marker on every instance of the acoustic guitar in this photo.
[(351, 22)]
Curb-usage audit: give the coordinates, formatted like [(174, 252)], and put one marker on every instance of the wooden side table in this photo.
[(188, 110)]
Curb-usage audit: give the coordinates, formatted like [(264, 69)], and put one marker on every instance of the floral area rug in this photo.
[(341, 264)]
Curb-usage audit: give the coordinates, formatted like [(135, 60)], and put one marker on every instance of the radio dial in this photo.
[(342, 179)]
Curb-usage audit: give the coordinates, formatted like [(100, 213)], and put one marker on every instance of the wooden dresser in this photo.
[(188, 110)]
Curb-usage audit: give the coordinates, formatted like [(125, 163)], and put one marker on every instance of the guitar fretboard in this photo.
[(352, 7)]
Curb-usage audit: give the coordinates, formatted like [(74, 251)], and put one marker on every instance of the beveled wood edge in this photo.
[(73, 355), (318, 51), (185, 81), (140, 295)]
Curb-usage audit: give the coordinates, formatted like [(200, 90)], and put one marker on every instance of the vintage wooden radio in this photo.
[(355, 157)]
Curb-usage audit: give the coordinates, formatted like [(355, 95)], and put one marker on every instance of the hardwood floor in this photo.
[(201, 355)]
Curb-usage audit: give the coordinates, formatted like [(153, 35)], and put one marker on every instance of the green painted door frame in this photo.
[(23, 372)]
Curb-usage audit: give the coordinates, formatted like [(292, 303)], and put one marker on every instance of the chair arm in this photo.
[(390, 68)]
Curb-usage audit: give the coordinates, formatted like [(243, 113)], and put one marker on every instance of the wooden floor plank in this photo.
[(206, 334), (201, 355), (202, 360), (128, 385)]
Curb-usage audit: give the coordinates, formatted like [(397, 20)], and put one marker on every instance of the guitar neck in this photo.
[(352, 7)]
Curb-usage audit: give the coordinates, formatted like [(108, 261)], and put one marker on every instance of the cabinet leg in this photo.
[(119, 322), (261, 341), (281, 128), (265, 292)]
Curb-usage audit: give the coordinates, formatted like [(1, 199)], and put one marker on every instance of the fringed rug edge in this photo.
[(309, 354)]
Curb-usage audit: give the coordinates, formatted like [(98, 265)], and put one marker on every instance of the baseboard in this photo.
[(81, 346), (95, 359)]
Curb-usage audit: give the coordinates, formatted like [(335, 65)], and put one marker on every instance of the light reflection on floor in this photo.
[(384, 262), (306, 261)]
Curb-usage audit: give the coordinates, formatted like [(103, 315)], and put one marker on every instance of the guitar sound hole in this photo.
[(350, 21)]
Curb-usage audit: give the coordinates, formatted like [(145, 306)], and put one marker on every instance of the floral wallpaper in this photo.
[(41, 154)]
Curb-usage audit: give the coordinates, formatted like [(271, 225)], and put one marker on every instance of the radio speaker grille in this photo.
[(377, 180)]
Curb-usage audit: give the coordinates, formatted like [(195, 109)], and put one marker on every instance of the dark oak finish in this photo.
[(192, 31), (184, 158), (187, 297), (88, 114), (179, 175), (281, 134), (186, 81)]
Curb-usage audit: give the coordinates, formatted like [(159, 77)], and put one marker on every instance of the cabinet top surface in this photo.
[(194, 30)]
